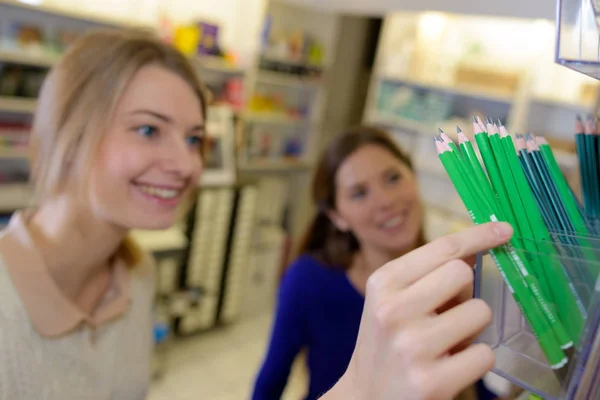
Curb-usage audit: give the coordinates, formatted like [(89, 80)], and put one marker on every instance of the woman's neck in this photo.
[(76, 248)]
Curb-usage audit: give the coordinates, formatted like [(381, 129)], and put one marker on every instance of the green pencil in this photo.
[(569, 307), (513, 278), (494, 175)]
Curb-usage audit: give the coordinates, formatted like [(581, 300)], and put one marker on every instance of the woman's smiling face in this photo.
[(377, 199), (150, 157)]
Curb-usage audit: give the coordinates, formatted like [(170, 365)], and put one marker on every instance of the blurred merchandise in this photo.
[(27, 35), (21, 80), (14, 136), (208, 39), (295, 52), (229, 91), (186, 39)]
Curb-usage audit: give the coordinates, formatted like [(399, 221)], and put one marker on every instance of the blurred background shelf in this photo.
[(32, 58), (13, 154), (218, 64), (275, 166), (461, 90), (283, 79), (273, 118), (17, 105), (14, 196)]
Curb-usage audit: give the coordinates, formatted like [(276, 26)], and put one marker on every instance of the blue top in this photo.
[(318, 310)]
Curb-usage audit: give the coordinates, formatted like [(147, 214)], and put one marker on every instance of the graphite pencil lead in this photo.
[(474, 119), (445, 138), (499, 123), (440, 130), (458, 130), (579, 118)]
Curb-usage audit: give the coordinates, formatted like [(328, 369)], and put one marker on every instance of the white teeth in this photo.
[(162, 193), (392, 222)]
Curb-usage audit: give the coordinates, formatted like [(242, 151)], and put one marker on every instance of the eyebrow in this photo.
[(164, 118)]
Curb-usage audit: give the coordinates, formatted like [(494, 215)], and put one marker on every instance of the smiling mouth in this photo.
[(159, 192), (394, 222)]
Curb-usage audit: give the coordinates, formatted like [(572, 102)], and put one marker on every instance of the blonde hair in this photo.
[(78, 100)]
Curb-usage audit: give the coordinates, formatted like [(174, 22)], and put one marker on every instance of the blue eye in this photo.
[(194, 141), (146, 130)]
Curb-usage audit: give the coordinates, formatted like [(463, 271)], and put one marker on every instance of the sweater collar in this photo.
[(50, 311)]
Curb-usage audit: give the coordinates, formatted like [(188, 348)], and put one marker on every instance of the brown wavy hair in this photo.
[(323, 240)]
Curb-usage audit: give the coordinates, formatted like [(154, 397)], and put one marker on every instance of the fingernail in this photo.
[(503, 230)]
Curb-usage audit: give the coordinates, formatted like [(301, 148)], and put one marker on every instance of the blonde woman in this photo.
[(116, 146)]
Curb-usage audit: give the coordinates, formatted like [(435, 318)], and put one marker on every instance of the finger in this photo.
[(432, 291), (434, 337), (453, 374), (458, 325), (464, 295), (413, 266)]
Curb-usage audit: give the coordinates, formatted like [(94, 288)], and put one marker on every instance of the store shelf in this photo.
[(570, 105), (426, 167), (287, 80), (13, 154), (275, 166), (36, 59), (287, 61), (401, 123), (73, 13), (162, 240), (14, 196), (219, 64), (272, 118), (454, 89), (17, 105)]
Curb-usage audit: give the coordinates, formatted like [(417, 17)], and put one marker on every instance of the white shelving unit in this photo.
[(306, 92), (420, 56)]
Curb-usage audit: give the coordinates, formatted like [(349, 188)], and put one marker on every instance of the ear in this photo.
[(337, 220)]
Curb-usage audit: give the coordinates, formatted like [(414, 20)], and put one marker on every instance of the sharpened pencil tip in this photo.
[(458, 130), (579, 118), (440, 130), (474, 119), (499, 122)]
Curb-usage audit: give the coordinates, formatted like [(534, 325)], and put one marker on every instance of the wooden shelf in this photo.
[(14, 196), (17, 105), (24, 57)]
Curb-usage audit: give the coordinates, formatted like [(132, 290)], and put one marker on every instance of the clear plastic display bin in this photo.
[(519, 358), (578, 36)]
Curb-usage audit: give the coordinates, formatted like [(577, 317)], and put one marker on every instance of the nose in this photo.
[(386, 197), (180, 160)]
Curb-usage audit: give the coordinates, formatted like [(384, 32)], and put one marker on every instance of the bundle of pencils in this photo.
[(524, 186), (587, 140)]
